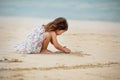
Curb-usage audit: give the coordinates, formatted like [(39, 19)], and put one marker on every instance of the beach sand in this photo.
[(95, 55)]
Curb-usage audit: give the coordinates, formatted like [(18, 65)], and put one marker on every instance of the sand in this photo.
[(95, 47)]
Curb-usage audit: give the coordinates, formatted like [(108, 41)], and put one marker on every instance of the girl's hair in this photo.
[(59, 23)]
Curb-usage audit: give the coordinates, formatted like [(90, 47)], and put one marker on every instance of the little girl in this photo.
[(41, 36)]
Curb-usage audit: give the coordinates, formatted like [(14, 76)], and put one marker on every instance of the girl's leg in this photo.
[(45, 43)]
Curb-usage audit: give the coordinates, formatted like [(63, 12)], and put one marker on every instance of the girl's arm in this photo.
[(56, 44)]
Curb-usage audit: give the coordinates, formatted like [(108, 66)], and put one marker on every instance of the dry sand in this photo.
[(95, 52)]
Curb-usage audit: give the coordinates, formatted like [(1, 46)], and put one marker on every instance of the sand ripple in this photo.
[(63, 67)]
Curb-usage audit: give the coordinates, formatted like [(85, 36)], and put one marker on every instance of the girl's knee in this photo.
[(47, 35)]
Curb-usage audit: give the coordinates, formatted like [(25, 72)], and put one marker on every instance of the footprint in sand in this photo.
[(10, 60)]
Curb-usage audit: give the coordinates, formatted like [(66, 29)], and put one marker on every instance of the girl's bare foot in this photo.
[(45, 52), (49, 51)]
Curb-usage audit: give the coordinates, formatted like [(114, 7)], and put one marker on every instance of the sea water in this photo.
[(101, 10)]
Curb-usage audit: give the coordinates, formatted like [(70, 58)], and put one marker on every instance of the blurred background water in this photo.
[(101, 10)]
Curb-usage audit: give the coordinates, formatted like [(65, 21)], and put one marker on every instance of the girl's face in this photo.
[(59, 32)]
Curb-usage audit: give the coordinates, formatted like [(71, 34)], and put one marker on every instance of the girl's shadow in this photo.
[(79, 53)]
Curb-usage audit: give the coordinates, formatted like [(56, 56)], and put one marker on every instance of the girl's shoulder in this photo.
[(53, 33)]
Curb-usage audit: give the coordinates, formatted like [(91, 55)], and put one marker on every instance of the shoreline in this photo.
[(75, 26)]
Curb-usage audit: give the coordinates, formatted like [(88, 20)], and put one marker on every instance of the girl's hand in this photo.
[(66, 50)]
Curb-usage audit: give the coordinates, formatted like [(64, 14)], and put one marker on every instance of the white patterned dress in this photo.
[(33, 43)]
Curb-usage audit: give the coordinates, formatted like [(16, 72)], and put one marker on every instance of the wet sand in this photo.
[(95, 52)]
